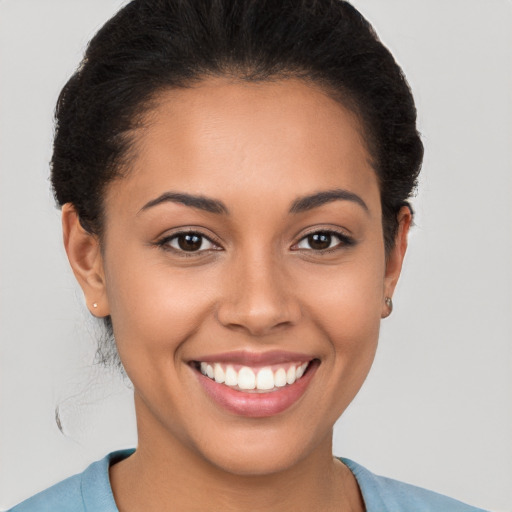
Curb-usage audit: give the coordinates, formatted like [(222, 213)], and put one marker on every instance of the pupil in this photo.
[(189, 242), (319, 241)]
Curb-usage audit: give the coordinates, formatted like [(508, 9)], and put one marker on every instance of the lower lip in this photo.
[(257, 405)]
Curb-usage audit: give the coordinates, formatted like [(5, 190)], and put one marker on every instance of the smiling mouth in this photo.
[(255, 385), (248, 379)]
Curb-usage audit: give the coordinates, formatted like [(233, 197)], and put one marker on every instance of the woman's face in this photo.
[(247, 236)]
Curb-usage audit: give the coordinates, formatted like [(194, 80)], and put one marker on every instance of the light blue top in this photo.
[(90, 491)]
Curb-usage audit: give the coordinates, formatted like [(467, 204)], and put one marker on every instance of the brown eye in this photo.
[(189, 242), (319, 241), (322, 240)]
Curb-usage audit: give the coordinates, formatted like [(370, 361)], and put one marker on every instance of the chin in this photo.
[(260, 451), (248, 463)]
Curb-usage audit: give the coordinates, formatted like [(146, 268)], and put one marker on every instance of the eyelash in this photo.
[(164, 243), (344, 240)]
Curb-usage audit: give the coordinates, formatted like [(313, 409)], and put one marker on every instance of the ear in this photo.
[(396, 256), (84, 255)]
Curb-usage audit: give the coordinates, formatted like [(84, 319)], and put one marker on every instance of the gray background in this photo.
[(436, 410)]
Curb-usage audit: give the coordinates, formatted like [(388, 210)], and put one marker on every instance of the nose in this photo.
[(258, 298)]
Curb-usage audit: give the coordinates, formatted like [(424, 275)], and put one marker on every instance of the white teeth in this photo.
[(231, 377), (246, 378), (290, 375), (300, 371), (218, 373), (265, 379), (280, 378)]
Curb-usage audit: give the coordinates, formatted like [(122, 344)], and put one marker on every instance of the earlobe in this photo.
[(84, 255), (395, 259)]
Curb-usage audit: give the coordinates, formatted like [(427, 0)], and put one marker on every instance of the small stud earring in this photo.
[(95, 305), (389, 303)]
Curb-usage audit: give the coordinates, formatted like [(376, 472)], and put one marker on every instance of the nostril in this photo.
[(260, 320)]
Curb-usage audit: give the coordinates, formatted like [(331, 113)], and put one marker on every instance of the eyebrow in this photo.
[(309, 202), (199, 202), (300, 205)]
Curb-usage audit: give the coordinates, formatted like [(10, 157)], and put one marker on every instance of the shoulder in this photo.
[(87, 491), (65, 495), (382, 494)]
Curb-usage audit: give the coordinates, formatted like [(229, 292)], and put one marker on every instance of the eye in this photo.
[(324, 240), (189, 241)]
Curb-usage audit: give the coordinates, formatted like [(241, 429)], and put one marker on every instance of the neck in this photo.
[(165, 474)]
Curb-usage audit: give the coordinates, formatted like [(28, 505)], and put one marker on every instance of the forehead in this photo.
[(277, 139)]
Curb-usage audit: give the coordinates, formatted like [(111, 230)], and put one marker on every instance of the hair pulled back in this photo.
[(153, 45)]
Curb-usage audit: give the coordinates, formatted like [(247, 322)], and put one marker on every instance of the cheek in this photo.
[(345, 302), (154, 308), (347, 298)]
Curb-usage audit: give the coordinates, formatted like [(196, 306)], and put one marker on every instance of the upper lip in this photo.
[(246, 358)]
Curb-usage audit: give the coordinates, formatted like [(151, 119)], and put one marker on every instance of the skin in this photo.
[(260, 286)]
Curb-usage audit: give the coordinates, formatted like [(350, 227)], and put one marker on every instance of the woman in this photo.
[(234, 179)]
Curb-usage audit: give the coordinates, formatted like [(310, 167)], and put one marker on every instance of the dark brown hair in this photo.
[(153, 45)]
